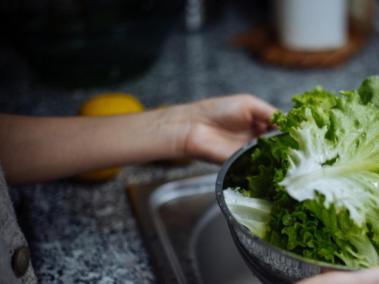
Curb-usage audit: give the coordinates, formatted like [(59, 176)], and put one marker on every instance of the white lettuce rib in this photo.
[(253, 213)]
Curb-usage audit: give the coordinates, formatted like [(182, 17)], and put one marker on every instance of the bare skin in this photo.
[(34, 149), (39, 149), (370, 276)]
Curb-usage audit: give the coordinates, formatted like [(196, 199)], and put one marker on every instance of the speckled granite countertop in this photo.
[(86, 233)]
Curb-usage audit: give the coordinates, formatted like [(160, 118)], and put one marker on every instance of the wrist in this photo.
[(155, 135), (172, 126)]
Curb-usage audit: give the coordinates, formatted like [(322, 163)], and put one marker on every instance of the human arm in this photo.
[(38, 149)]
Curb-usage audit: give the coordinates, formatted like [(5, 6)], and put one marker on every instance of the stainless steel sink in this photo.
[(186, 234)]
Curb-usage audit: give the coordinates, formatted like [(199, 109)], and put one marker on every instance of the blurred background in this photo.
[(55, 54), (58, 56)]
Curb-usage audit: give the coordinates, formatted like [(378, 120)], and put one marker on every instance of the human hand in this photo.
[(370, 276), (219, 126), (35, 149)]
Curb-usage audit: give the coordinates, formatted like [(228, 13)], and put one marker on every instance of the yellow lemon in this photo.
[(111, 104), (99, 175), (102, 105)]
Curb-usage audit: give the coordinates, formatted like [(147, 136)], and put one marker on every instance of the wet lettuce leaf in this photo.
[(320, 177)]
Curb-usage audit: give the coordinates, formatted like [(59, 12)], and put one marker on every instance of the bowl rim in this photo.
[(233, 223)]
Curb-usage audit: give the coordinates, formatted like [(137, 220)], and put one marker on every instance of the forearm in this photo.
[(38, 149)]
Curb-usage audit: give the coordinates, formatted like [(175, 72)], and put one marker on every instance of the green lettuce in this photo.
[(320, 178)]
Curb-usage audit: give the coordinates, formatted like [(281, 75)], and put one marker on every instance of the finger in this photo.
[(223, 151), (216, 145), (370, 276), (330, 278), (261, 110), (260, 127), (221, 156)]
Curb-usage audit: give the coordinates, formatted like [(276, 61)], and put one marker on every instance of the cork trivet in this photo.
[(263, 42)]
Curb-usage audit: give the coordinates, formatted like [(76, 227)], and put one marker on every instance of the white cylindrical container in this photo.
[(312, 25)]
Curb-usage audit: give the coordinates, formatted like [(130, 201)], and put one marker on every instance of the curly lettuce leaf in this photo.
[(321, 176), (342, 165), (352, 244)]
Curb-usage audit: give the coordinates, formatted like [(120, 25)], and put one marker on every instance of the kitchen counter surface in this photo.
[(83, 233)]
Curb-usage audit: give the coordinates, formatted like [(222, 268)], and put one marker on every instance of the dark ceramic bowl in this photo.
[(89, 43), (269, 263)]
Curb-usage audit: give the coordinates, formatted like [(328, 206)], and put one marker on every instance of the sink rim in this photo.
[(177, 231), (166, 193)]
